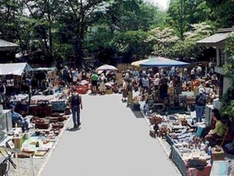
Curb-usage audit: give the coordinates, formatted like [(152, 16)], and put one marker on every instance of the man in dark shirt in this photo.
[(75, 104)]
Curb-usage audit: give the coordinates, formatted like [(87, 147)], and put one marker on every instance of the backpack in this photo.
[(202, 99)]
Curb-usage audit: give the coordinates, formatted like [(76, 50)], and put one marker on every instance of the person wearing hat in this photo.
[(17, 119), (200, 103)]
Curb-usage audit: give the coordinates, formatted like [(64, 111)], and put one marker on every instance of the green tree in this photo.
[(228, 67), (166, 43), (183, 13), (188, 48), (125, 25), (222, 12), (10, 15), (75, 19)]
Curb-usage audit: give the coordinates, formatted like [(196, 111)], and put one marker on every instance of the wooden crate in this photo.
[(217, 155)]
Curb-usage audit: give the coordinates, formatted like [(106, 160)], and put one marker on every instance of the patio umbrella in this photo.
[(106, 67), (162, 62), (137, 63), (83, 82)]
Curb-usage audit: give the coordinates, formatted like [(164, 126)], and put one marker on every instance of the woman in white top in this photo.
[(74, 76), (156, 82)]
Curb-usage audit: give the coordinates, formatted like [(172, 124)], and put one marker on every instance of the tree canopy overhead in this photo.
[(70, 30)]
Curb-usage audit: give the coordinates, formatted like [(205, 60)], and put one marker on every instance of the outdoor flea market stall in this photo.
[(44, 112), (21, 147), (11, 74), (189, 151), (173, 117)]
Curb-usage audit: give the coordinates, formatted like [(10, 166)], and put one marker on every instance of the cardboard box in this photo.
[(215, 155), (109, 91)]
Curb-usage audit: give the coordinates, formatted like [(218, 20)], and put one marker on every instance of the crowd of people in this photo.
[(159, 85), (166, 84), (49, 82), (155, 85)]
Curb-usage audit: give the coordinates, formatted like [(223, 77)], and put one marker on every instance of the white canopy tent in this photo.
[(14, 68), (7, 46), (44, 69)]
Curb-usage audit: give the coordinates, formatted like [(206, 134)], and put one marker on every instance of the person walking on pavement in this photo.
[(75, 104)]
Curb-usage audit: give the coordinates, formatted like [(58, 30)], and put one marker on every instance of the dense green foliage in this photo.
[(228, 68), (183, 13), (70, 30), (222, 13)]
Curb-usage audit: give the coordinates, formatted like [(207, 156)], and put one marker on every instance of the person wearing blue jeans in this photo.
[(76, 116), (199, 112), (200, 103), (75, 103)]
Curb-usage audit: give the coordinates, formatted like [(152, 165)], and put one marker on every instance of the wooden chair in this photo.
[(222, 140)]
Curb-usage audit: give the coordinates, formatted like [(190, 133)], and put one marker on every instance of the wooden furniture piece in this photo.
[(217, 155), (224, 138)]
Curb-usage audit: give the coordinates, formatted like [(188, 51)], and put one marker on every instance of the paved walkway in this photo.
[(111, 142)]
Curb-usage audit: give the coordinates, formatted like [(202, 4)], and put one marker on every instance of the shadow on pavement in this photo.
[(73, 129), (138, 114)]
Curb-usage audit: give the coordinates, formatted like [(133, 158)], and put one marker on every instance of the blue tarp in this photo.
[(162, 62)]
